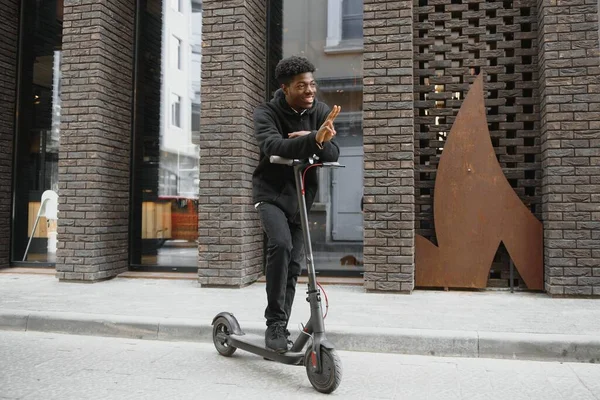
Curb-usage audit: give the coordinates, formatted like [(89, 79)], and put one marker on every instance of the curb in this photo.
[(472, 344)]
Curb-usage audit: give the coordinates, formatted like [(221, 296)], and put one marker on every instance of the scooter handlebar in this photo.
[(284, 161), (291, 162)]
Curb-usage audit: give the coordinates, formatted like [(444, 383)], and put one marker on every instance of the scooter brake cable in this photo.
[(303, 330), (304, 174), (326, 300)]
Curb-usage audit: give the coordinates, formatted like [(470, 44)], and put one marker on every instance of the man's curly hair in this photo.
[(289, 67)]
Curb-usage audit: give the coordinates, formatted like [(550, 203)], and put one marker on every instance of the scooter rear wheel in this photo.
[(331, 375), (222, 329)]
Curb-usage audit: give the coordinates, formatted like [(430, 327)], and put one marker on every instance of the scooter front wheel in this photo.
[(331, 373), (221, 330)]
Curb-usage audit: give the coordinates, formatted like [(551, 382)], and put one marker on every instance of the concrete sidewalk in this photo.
[(463, 324)]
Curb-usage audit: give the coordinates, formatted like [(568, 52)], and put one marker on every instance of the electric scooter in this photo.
[(323, 365)]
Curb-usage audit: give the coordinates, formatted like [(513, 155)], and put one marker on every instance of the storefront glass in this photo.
[(37, 133), (329, 34), (165, 181)]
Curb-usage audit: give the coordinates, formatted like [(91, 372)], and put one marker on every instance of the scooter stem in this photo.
[(310, 266)]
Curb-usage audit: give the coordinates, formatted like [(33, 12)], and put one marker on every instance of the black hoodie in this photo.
[(273, 122)]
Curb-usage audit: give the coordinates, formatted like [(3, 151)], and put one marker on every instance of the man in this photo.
[(292, 125)]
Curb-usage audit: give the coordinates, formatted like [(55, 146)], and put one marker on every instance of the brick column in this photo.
[(570, 128), (389, 146), (94, 167), (233, 84), (9, 31)]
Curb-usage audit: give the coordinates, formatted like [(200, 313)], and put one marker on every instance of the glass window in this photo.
[(166, 136), (176, 53), (176, 111), (37, 133), (352, 19), (336, 217), (177, 5), (344, 26)]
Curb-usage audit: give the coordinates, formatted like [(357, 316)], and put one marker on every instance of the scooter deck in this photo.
[(256, 344)]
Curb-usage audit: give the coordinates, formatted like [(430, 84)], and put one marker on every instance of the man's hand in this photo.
[(327, 131), (298, 134)]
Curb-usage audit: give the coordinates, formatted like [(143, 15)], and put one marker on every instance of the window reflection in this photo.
[(166, 135), (38, 131), (329, 34), (352, 19)]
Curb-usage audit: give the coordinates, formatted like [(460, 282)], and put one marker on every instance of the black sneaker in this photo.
[(275, 338), (290, 343)]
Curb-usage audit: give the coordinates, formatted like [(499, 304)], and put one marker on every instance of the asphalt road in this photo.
[(53, 366)]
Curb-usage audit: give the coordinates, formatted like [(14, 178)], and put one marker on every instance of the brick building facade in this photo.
[(94, 155), (232, 86), (389, 146), (8, 61), (540, 60), (570, 146)]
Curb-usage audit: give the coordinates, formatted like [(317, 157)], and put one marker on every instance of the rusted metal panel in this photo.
[(475, 209)]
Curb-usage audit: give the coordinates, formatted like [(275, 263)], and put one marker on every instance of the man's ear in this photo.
[(285, 89)]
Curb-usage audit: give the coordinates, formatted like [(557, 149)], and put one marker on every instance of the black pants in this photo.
[(285, 248)]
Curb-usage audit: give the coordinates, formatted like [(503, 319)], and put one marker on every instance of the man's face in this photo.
[(300, 93)]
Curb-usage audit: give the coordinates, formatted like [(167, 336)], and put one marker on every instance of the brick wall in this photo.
[(233, 84), (9, 25), (570, 127), (388, 146), (95, 139)]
